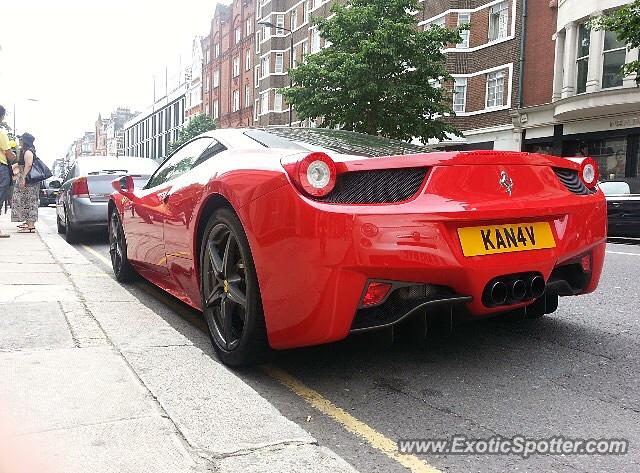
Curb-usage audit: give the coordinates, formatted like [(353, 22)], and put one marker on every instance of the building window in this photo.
[(266, 32), (256, 110), (237, 34), (247, 95), (464, 19), (615, 53), (258, 36), (437, 22), (294, 20), (257, 78), (264, 102), (459, 94), (216, 110), (216, 50), (495, 89), (236, 66), (208, 56), (278, 102), (305, 11), (264, 66), (279, 63), (248, 27), (315, 40), (279, 24), (206, 88), (305, 50), (247, 60), (294, 59), (582, 60), (236, 100), (498, 21), (216, 78)]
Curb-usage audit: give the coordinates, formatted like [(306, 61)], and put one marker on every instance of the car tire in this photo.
[(71, 234), (230, 293), (122, 269), (61, 229)]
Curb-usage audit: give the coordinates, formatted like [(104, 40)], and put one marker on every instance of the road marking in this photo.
[(374, 438), (622, 253), (97, 255)]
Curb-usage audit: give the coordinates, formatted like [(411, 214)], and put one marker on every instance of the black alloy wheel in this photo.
[(230, 294), (122, 269)]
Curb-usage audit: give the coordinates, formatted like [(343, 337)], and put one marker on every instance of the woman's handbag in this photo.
[(39, 172)]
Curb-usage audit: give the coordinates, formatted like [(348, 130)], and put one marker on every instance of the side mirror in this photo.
[(123, 185)]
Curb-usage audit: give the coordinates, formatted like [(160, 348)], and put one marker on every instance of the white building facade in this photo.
[(148, 134), (594, 110)]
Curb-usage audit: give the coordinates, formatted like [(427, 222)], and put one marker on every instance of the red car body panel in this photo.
[(313, 259)]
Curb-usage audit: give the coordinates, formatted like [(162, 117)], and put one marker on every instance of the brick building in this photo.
[(273, 53), (228, 52), (579, 102)]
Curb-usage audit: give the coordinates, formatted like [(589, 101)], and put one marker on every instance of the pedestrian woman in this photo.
[(25, 200)]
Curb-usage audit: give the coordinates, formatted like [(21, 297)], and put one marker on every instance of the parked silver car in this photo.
[(82, 200)]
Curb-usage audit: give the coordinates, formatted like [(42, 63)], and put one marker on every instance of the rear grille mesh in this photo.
[(380, 186), (572, 181)]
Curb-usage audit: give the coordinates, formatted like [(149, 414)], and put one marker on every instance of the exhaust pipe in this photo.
[(537, 287), (518, 290), (498, 293)]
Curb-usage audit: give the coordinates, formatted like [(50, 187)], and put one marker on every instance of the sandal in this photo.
[(26, 230)]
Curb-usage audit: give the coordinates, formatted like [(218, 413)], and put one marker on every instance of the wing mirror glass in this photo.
[(124, 185)]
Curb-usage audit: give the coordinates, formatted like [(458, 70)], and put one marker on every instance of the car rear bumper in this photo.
[(88, 215), (314, 260)]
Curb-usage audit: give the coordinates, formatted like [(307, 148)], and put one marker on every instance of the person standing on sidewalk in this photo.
[(25, 200), (7, 156)]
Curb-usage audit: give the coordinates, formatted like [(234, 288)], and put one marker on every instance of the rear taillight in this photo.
[(376, 293), (79, 187), (315, 175), (589, 172)]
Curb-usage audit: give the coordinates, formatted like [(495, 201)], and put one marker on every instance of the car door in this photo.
[(179, 226), (144, 216)]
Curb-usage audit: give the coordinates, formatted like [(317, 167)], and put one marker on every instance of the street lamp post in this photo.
[(271, 25)]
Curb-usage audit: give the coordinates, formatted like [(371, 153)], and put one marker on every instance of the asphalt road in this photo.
[(573, 374)]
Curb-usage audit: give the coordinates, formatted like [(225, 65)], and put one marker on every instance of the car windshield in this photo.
[(615, 188), (338, 141), (125, 165)]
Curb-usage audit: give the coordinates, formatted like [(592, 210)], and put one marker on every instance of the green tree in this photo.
[(382, 75), (626, 23), (197, 125)]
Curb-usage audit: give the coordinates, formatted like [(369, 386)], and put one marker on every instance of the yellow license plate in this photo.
[(492, 239)]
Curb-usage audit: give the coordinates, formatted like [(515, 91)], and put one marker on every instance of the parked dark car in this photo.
[(49, 190), (623, 206)]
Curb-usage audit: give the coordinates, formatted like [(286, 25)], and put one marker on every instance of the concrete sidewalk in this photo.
[(93, 380)]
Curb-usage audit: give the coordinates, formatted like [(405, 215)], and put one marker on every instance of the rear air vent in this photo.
[(572, 181), (380, 186)]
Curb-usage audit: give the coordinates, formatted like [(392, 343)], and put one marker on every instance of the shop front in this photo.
[(612, 142)]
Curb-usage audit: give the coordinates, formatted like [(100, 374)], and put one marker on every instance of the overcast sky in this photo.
[(82, 57)]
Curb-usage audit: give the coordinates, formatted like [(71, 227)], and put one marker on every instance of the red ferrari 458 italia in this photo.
[(289, 237)]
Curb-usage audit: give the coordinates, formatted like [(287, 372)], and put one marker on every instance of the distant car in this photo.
[(49, 190), (82, 200), (289, 237), (623, 206)]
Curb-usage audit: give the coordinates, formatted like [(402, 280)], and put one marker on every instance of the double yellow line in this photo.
[(374, 438)]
